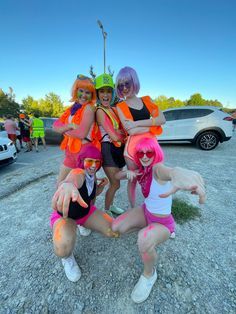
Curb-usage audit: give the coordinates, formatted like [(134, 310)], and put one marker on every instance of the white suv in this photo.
[(7, 151), (204, 126)]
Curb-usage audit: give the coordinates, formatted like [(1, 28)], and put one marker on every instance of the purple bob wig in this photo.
[(128, 74), (88, 151), (149, 144)]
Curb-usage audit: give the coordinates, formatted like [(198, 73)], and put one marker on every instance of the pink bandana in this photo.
[(145, 180)]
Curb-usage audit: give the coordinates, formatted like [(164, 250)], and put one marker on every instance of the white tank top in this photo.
[(155, 204)]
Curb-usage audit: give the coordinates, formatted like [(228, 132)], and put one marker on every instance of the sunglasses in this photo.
[(83, 77), (89, 162), (126, 85), (149, 154)]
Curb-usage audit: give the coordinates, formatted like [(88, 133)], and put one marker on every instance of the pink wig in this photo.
[(149, 144), (88, 151), (128, 74)]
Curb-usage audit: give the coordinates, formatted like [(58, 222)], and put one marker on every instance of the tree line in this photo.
[(52, 106)]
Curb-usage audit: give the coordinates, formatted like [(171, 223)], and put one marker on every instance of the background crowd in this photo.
[(25, 132)]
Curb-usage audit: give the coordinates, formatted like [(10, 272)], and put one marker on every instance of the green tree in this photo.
[(196, 100), (165, 103), (53, 105), (31, 106), (50, 106), (8, 105)]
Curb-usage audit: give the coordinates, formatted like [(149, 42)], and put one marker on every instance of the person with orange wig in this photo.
[(77, 123)]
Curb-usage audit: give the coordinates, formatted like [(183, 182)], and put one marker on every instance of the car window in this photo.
[(171, 115), (48, 123), (186, 114)]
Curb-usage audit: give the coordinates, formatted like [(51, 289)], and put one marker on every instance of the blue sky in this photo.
[(178, 47)]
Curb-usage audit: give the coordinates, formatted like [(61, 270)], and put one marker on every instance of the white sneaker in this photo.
[(84, 231), (71, 268), (143, 288), (172, 235)]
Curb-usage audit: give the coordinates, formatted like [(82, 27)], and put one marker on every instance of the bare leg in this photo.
[(114, 185), (44, 142), (64, 237), (131, 185), (36, 143), (148, 239), (131, 220), (101, 222)]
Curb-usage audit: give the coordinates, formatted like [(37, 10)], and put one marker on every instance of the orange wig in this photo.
[(84, 83)]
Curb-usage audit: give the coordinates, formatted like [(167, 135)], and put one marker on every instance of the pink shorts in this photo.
[(55, 216), (168, 221)]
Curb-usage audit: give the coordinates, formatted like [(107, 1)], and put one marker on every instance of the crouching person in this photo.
[(73, 205), (153, 218)]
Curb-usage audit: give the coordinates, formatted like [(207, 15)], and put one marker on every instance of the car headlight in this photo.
[(10, 144)]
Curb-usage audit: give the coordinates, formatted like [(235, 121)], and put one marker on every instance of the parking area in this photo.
[(194, 270)]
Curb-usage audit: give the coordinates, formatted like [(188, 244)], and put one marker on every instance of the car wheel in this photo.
[(208, 140)]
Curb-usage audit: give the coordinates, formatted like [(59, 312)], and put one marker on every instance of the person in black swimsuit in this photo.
[(73, 205)]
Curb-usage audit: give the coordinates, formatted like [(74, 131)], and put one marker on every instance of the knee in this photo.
[(115, 184), (144, 242), (62, 250), (120, 224)]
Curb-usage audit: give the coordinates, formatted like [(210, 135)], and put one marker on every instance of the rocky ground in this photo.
[(196, 271)]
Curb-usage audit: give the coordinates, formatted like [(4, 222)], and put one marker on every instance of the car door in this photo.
[(181, 124)]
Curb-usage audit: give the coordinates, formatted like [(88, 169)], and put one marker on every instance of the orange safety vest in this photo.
[(74, 144), (115, 122), (152, 108)]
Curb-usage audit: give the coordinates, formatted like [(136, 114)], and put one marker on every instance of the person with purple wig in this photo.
[(73, 205), (140, 117)]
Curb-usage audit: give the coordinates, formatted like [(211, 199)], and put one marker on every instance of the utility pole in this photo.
[(104, 34)]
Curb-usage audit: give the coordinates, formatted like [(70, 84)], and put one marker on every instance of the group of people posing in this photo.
[(98, 134)]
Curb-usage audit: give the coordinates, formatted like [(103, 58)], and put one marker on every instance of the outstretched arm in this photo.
[(68, 191), (182, 179)]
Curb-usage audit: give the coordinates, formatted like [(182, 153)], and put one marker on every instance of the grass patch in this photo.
[(184, 212)]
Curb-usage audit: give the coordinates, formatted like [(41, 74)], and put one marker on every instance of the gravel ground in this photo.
[(196, 271)]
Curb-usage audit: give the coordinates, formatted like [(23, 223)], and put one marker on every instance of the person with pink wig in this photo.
[(153, 218), (73, 205), (140, 117)]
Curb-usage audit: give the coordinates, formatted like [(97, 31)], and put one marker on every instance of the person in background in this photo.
[(24, 125), (112, 138), (234, 120), (18, 133), (153, 218), (38, 131), (140, 117), (11, 128)]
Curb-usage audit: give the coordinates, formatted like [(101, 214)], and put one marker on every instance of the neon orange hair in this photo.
[(84, 83)]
